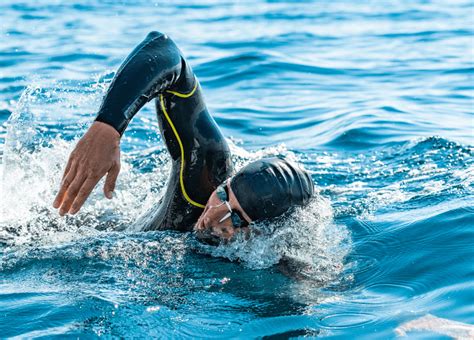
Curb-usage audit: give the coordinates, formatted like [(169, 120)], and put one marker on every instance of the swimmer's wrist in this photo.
[(105, 129), (118, 125)]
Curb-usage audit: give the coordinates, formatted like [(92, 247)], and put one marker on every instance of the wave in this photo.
[(374, 100)]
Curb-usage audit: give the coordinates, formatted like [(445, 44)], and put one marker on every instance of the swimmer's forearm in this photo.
[(153, 66)]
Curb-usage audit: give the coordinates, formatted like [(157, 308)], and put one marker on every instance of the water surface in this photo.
[(375, 99)]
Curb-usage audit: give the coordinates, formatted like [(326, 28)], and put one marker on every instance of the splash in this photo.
[(31, 171), (305, 243), (308, 244)]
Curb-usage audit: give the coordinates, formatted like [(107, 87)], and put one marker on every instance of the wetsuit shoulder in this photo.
[(152, 67)]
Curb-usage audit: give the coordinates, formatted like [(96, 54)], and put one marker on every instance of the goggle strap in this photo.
[(226, 216)]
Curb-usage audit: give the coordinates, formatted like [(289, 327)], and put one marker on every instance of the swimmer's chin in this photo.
[(207, 238)]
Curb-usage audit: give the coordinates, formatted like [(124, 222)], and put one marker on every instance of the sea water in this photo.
[(374, 98)]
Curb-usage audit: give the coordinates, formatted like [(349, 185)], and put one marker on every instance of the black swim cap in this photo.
[(269, 187)]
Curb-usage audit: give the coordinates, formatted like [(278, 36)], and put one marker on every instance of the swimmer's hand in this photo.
[(97, 153)]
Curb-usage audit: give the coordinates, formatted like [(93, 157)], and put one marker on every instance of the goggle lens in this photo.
[(237, 219)]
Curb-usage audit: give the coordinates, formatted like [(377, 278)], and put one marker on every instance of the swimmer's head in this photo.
[(223, 217), (264, 189)]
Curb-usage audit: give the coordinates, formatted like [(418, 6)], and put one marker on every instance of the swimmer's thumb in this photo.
[(110, 180)]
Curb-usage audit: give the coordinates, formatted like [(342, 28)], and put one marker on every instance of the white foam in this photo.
[(32, 169)]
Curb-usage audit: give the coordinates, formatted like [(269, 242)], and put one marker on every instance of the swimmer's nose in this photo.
[(198, 226), (202, 223)]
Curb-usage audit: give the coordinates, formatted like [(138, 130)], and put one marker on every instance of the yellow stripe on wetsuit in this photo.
[(185, 95), (181, 172)]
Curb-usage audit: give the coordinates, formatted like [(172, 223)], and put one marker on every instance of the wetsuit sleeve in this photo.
[(152, 67)]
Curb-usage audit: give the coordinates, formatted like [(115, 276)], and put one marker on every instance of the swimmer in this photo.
[(202, 193)]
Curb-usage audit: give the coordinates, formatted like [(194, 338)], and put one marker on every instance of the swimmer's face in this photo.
[(220, 220)]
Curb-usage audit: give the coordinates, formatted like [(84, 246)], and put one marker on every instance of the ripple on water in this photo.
[(347, 320), (384, 294), (361, 263), (283, 72), (77, 56)]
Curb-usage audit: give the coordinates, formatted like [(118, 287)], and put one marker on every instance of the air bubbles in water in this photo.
[(32, 168), (306, 244)]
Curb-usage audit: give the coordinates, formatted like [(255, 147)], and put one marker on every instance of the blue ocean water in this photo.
[(375, 98)]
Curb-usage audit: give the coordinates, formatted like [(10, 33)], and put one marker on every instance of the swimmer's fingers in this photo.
[(71, 193), (68, 177), (68, 166), (112, 175), (86, 189)]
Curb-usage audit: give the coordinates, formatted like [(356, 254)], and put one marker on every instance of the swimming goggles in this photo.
[(237, 219)]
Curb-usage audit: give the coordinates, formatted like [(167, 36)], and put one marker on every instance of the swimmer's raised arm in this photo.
[(152, 67)]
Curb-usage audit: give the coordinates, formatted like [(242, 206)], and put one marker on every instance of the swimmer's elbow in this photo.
[(163, 49), (154, 34), (159, 40)]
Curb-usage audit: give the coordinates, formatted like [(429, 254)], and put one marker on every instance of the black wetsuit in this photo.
[(200, 155)]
